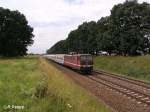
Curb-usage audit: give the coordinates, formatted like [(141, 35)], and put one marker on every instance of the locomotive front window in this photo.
[(83, 58), (89, 58), (86, 57)]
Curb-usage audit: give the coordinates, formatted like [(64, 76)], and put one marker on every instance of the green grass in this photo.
[(19, 79), (23, 82), (136, 67)]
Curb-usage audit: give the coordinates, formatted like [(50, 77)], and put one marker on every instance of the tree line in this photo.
[(125, 32), (15, 33)]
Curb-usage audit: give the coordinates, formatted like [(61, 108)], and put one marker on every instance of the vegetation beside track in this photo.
[(77, 97), (24, 82), (136, 67), (21, 81)]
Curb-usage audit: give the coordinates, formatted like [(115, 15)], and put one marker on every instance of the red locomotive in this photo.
[(82, 62)]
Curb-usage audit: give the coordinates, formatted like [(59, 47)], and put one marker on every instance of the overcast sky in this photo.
[(52, 20)]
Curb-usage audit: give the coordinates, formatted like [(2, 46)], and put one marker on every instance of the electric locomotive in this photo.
[(82, 62)]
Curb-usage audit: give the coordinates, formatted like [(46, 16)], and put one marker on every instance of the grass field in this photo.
[(137, 67), (31, 84)]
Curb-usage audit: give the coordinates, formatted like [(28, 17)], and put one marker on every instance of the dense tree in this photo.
[(15, 33), (83, 39), (87, 37), (125, 32), (59, 48), (104, 39), (73, 41), (130, 26)]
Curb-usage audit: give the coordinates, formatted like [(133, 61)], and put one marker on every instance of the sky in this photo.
[(52, 20)]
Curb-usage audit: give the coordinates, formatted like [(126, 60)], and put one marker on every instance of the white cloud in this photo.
[(54, 19)]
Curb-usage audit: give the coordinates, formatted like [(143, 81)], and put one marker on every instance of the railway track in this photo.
[(130, 80), (139, 91)]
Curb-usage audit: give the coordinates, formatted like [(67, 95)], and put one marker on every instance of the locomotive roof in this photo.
[(78, 55)]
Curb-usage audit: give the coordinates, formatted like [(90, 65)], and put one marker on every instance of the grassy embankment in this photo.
[(136, 67), (40, 87)]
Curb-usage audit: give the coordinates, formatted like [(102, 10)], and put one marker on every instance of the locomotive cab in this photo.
[(86, 63)]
